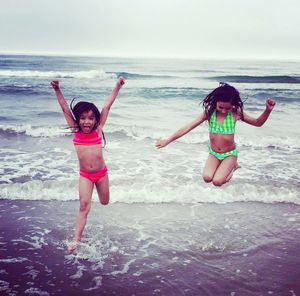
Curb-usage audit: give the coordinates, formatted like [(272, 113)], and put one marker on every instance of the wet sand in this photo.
[(150, 249)]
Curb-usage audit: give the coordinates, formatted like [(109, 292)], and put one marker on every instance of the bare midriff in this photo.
[(222, 143), (90, 158)]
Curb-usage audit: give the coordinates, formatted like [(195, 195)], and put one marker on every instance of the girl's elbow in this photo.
[(260, 123), (256, 123)]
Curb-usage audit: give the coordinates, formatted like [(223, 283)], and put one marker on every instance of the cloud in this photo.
[(193, 28)]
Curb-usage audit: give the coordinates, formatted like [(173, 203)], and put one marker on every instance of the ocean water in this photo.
[(165, 231), (160, 96)]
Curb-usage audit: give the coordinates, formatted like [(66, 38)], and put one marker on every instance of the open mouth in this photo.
[(86, 128)]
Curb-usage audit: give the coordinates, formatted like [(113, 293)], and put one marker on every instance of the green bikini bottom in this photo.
[(223, 155)]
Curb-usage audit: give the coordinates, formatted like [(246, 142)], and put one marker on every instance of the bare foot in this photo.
[(237, 166), (73, 246)]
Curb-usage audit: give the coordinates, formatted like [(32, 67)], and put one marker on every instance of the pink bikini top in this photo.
[(92, 138)]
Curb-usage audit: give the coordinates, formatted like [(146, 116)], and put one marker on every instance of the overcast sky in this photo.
[(173, 28)]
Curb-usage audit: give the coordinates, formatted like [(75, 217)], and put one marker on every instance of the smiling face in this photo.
[(224, 107), (87, 121)]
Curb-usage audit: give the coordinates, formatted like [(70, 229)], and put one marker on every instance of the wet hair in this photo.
[(82, 107), (223, 93)]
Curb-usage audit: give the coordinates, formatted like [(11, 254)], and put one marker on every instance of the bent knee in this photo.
[(207, 178), (104, 202), (218, 182)]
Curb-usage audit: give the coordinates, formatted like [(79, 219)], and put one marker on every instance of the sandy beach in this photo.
[(150, 249)]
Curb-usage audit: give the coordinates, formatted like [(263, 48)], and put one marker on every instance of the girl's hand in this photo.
[(120, 82), (55, 84), (270, 104), (160, 143)]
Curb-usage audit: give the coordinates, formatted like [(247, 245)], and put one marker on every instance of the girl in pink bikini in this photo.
[(87, 123)]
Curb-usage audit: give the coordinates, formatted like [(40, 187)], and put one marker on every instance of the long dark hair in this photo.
[(82, 107), (224, 93)]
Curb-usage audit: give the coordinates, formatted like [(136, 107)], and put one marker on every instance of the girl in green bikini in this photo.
[(223, 107)]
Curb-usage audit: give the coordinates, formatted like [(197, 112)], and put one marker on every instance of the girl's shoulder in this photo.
[(236, 115), (206, 116), (75, 129), (99, 129)]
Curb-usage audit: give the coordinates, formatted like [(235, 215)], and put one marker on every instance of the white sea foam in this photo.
[(98, 283), (34, 131), (125, 268), (89, 74), (14, 260), (36, 242), (149, 175), (79, 272), (4, 286), (153, 192), (36, 291), (139, 133), (33, 273)]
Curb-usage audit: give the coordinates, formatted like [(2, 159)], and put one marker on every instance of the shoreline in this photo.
[(142, 249)]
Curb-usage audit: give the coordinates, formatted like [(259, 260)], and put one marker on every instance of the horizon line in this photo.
[(155, 56)]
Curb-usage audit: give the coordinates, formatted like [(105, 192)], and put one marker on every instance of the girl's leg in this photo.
[(225, 170), (85, 196), (103, 189), (237, 166), (211, 165)]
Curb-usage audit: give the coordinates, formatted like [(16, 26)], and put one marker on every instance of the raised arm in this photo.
[(110, 100), (63, 104), (270, 104), (181, 132)]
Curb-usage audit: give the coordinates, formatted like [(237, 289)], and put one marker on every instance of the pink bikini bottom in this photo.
[(96, 176)]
